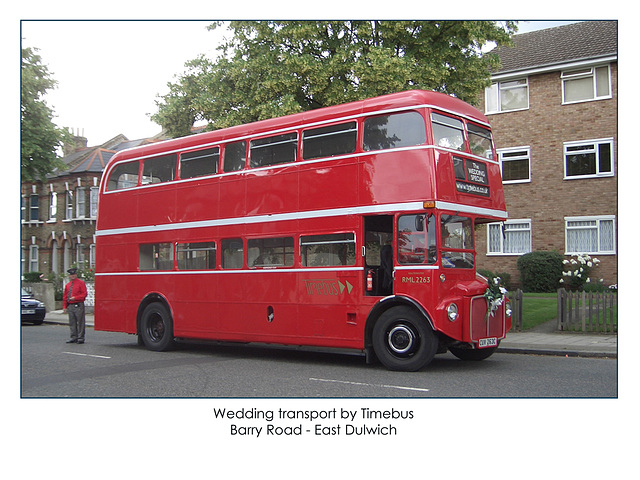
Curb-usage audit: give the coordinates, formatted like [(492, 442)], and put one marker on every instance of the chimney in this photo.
[(77, 142)]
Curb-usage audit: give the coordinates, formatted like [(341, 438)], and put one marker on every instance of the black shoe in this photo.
[(72, 341), (80, 341)]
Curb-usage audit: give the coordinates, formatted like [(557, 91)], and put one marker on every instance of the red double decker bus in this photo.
[(349, 226)]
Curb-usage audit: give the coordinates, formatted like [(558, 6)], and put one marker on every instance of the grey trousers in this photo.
[(76, 320)]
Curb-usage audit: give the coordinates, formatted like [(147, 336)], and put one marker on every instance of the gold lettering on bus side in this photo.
[(416, 279), (325, 287)]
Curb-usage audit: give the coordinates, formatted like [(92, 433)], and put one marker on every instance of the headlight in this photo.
[(452, 312), (507, 309)]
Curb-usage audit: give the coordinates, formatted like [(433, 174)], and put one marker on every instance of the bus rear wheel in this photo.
[(156, 328), (402, 340)]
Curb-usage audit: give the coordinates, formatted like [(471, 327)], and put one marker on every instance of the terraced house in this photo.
[(553, 109), (59, 213)]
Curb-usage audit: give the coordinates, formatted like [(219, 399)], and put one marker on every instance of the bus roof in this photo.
[(411, 98)]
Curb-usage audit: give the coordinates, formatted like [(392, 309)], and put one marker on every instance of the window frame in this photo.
[(303, 254), (34, 260), (407, 141), (287, 248), (580, 74), (157, 248), (596, 143), (192, 156), (34, 208), (53, 206), (505, 225), (272, 143), (594, 218), (499, 88), (512, 150), (311, 136), (80, 203), (211, 247)]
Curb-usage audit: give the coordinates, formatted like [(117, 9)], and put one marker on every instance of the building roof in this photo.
[(95, 159), (560, 45)]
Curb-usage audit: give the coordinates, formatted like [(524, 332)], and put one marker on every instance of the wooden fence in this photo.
[(587, 311), (516, 309)]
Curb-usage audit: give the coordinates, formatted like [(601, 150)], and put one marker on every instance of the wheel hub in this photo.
[(401, 339)]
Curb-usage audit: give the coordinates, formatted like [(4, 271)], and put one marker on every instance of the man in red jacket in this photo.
[(73, 302)]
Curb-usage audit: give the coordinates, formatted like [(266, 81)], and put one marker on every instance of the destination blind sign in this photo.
[(476, 175)]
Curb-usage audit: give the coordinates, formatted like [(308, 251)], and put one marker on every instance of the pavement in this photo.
[(543, 340)]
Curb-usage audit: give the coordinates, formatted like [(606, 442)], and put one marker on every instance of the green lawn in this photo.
[(538, 308)]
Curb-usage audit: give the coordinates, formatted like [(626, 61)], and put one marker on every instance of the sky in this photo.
[(110, 73)]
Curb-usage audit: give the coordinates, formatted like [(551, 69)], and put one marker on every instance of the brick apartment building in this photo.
[(59, 214), (553, 109)]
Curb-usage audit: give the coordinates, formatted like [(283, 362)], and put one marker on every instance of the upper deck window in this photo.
[(124, 175), (393, 131), (234, 156), (480, 141), (159, 169), (329, 141), (447, 132), (199, 163), (274, 150)]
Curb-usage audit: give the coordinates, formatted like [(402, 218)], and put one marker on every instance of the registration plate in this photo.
[(28, 312), (488, 342)]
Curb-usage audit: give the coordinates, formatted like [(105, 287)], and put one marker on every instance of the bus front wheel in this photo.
[(403, 340), (156, 328)]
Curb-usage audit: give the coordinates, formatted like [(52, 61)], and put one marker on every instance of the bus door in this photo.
[(378, 255)]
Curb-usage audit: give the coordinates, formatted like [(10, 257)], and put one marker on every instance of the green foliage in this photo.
[(505, 278), (540, 271), (32, 277), (39, 135), (269, 69)]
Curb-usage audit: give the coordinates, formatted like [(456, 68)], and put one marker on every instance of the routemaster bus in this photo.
[(349, 226)]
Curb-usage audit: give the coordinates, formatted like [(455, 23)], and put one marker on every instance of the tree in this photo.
[(40, 136), (269, 69)]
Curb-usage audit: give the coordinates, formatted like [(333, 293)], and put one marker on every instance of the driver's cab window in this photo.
[(417, 239), (456, 237)]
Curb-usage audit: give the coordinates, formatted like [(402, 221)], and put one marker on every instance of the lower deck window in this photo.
[(196, 256), (232, 252), (328, 250), (270, 252), (156, 256)]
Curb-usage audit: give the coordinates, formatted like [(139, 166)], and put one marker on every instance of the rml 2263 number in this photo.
[(416, 279)]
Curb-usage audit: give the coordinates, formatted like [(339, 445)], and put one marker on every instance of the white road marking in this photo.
[(370, 384), (85, 355)]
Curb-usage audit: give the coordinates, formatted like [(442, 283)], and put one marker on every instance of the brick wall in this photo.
[(45, 230), (548, 198)]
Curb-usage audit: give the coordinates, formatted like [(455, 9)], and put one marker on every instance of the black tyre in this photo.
[(403, 340), (156, 328), (472, 355)]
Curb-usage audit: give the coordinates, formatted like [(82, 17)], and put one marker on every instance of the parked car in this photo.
[(32, 310)]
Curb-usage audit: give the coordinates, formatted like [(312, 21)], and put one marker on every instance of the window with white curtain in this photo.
[(507, 96), (93, 200), (591, 83), (80, 198), (512, 237), (590, 235), (53, 206)]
